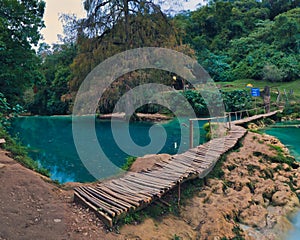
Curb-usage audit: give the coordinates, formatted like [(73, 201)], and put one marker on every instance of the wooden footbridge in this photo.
[(113, 198)]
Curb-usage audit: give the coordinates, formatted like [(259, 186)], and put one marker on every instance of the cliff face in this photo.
[(252, 200)]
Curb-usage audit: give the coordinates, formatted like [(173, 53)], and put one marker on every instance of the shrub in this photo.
[(129, 161), (272, 73), (20, 153)]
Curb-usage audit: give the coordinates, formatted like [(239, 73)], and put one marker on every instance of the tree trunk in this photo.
[(267, 98), (126, 27)]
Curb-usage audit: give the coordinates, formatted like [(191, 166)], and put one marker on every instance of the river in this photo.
[(290, 137), (50, 143)]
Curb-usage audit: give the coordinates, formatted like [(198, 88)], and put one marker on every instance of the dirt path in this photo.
[(31, 208)]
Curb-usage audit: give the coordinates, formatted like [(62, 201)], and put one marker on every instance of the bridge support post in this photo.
[(179, 195), (191, 134)]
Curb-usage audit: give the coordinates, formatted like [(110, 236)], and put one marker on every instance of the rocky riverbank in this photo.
[(252, 200), (145, 117)]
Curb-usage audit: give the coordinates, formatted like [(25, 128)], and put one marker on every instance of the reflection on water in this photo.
[(51, 143)]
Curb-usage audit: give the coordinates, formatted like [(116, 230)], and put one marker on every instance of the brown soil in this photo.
[(34, 208)]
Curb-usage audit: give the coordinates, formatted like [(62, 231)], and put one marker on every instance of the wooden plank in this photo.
[(148, 182), (143, 187), (107, 207), (154, 180), (199, 158), (132, 191), (175, 167), (180, 164), (125, 191), (96, 203), (164, 175), (119, 196), (119, 200), (106, 198), (138, 198), (105, 218)]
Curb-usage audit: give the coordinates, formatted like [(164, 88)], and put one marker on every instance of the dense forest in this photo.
[(232, 40)]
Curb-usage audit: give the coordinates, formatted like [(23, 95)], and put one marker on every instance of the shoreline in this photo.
[(253, 190), (253, 222), (143, 117)]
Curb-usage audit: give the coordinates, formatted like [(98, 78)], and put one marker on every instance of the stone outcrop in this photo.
[(251, 201), (255, 196)]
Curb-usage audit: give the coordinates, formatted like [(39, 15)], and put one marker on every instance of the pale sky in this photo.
[(55, 7)]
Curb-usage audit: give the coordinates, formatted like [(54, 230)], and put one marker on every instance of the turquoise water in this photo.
[(50, 142), (288, 136), (291, 138)]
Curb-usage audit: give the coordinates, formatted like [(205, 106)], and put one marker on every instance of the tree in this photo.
[(115, 26), (51, 95), (280, 6), (103, 15), (20, 23)]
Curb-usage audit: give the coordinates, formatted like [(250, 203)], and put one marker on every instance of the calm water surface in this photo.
[(50, 142), (291, 138)]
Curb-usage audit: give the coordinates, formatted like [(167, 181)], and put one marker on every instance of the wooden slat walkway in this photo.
[(112, 199)]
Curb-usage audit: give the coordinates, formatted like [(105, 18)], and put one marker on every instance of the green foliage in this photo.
[(196, 101), (114, 27), (237, 100), (20, 23), (20, 153), (290, 109), (272, 73), (218, 172), (238, 233), (246, 39), (129, 161), (175, 237), (52, 96), (233, 100), (8, 112), (276, 148), (279, 158), (218, 66), (133, 217)]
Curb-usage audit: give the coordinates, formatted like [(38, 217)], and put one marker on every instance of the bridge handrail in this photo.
[(227, 116)]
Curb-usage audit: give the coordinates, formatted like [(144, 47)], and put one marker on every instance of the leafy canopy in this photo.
[(20, 23)]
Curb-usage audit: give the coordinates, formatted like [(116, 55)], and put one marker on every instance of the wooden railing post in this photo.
[(191, 134), (210, 128)]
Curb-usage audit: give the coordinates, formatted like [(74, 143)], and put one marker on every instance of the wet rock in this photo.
[(255, 216)]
